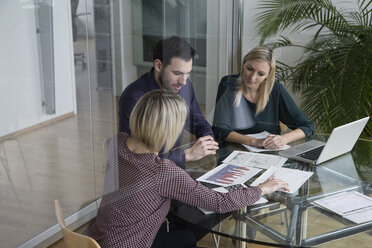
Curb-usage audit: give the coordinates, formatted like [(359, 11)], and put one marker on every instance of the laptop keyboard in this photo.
[(312, 154)]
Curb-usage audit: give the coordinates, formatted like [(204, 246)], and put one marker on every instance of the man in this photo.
[(173, 59)]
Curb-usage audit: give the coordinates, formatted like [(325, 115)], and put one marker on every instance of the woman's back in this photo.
[(131, 210)]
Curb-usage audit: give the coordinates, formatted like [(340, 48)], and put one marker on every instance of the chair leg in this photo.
[(22, 156), (217, 238), (4, 158), (6, 168), (3, 161), (167, 221)]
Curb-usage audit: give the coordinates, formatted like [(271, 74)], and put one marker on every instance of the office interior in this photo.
[(64, 65)]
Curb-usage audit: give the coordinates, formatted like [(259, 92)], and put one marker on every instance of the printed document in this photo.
[(262, 135), (229, 174), (258, 160), (294, 178), (360, 216), (352, 205)]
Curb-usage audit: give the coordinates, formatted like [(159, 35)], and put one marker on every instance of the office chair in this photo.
[(70, 238)]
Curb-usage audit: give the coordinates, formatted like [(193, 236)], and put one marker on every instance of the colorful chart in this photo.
[(228, 174)]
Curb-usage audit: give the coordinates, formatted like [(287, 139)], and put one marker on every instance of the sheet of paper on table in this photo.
[(258, 160), (262, 135), (352, 205), (229, 174), (294, 178), (361, 216), (223, 190)]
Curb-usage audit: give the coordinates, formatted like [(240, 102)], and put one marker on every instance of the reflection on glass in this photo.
[(164, 18), (231, 116), (56, 154)]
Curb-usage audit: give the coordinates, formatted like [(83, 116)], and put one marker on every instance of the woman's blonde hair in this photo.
[(158, 119), (265, 54)]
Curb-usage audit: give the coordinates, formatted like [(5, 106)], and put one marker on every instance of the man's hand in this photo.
[(202, 147)]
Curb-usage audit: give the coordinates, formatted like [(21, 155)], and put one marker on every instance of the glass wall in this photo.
[(55, 113), (63, 67)]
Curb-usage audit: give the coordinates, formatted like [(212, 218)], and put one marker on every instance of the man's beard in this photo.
[(166, 85)]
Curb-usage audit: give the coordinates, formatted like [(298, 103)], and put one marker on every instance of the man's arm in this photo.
[(126, 105), (195, 123), (177, 156)]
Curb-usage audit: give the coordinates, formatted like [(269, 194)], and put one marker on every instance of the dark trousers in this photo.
[(174, 239), (176, 224)]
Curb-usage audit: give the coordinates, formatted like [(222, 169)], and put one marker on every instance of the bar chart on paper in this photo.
[(228, 174)]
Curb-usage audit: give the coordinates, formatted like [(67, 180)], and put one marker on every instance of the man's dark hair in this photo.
[(173, 47)]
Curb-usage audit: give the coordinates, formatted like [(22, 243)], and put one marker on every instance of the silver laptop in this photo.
[(341, 140)]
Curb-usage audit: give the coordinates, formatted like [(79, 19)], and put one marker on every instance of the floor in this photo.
[(207, 241), (321, 224)]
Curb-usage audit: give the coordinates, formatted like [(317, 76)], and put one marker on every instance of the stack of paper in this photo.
[(240, 166), (250, 159), (352, 205), (294, 178)]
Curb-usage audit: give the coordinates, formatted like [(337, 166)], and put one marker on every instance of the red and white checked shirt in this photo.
[(138, 189)]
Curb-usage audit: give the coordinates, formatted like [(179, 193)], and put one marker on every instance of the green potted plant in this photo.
[(334, 74)]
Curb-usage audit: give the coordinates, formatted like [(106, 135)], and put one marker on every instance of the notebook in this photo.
[(341, 140)]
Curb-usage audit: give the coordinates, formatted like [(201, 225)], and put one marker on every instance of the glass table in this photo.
[(292, 219)]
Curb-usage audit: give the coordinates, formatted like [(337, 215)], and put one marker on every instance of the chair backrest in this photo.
[(70, 238)]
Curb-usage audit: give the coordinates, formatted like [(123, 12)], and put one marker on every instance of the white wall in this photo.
[(124, 69), (129, 69), (219, 18), (63, 58), (85, 10), (20, 89)]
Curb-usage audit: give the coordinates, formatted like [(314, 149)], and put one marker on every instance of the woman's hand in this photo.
[(257, 142), (273, 141), (271, 185)]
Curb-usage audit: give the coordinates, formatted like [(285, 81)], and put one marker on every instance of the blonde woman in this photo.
[(139, 185), (253, 102)]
